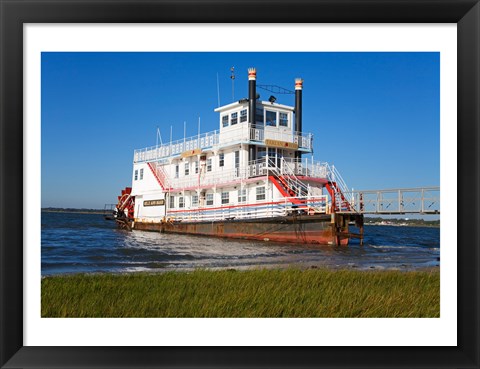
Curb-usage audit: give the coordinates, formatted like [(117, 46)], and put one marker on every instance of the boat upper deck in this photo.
[(242, 133), (293, 169)]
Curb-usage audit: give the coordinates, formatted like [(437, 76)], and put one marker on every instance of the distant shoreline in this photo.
[(74, 211)]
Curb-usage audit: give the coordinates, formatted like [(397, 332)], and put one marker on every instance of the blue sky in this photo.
[(375, 116)]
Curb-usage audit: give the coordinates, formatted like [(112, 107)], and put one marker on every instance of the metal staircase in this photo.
[(288, 184), (292, 180), (338, 189), (160, 174)]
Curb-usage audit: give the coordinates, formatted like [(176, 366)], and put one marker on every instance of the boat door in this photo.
[(237, 163), (275, 156), (260, 124)]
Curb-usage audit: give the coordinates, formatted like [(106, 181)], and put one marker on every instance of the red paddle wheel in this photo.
[(125, 208)]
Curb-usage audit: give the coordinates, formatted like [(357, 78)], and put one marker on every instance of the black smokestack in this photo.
[(298, 104), (252, 95), (298, 110)]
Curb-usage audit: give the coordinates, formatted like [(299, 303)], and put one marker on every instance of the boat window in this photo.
[(234, 118), (136, 174), (209, 165), (225, 121), (237, 159), (271, 118), (260, 193), (181, 202), (280, 154), (172, 202), (283, 119), (272, 154), (242, 195), (221, 161), (225, 198), (243, 115), (209, 198), (141, 174), (194, 200), (196, 167), (187, 169), (261, 153), (177, 170)]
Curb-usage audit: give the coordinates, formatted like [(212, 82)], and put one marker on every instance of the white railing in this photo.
[(288, 166), (423, 200), (285, 207), (160, 173), (305, 167), (333, 175), (259, 133), (202, 141), (343, 201), (287, 170), (240, 133), (217, 177), (256, 168)]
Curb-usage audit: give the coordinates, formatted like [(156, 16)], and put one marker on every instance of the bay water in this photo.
[(87, 243)]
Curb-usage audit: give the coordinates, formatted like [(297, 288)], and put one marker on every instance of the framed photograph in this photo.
[(40, 39)]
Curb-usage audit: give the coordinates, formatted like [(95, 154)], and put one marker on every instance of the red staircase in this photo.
[(160, 175), (282, 185), (339, 202)]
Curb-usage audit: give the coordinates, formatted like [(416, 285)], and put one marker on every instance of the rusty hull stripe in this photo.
[(308, 229)]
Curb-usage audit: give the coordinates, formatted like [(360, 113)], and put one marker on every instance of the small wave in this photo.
[(156, 265), (391, 247)]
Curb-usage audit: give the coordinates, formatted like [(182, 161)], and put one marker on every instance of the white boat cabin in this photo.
[(250, 167)]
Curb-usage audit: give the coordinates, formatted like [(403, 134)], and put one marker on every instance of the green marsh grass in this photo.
[(252, 293)]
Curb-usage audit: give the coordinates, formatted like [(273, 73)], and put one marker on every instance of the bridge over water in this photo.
[(423, 200)]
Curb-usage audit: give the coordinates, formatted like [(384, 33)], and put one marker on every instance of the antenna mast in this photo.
[(159, 136), (218, 91), (232, 76)]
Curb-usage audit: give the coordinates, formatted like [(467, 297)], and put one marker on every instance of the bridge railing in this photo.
[(425, 200)]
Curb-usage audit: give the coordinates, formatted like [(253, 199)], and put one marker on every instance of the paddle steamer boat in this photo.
[(246, 180)]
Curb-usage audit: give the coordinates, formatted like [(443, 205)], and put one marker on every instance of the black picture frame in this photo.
[(15, 13)]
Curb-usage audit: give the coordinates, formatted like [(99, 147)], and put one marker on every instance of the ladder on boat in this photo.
[(161, 176), (291, 187), (338, 190)]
